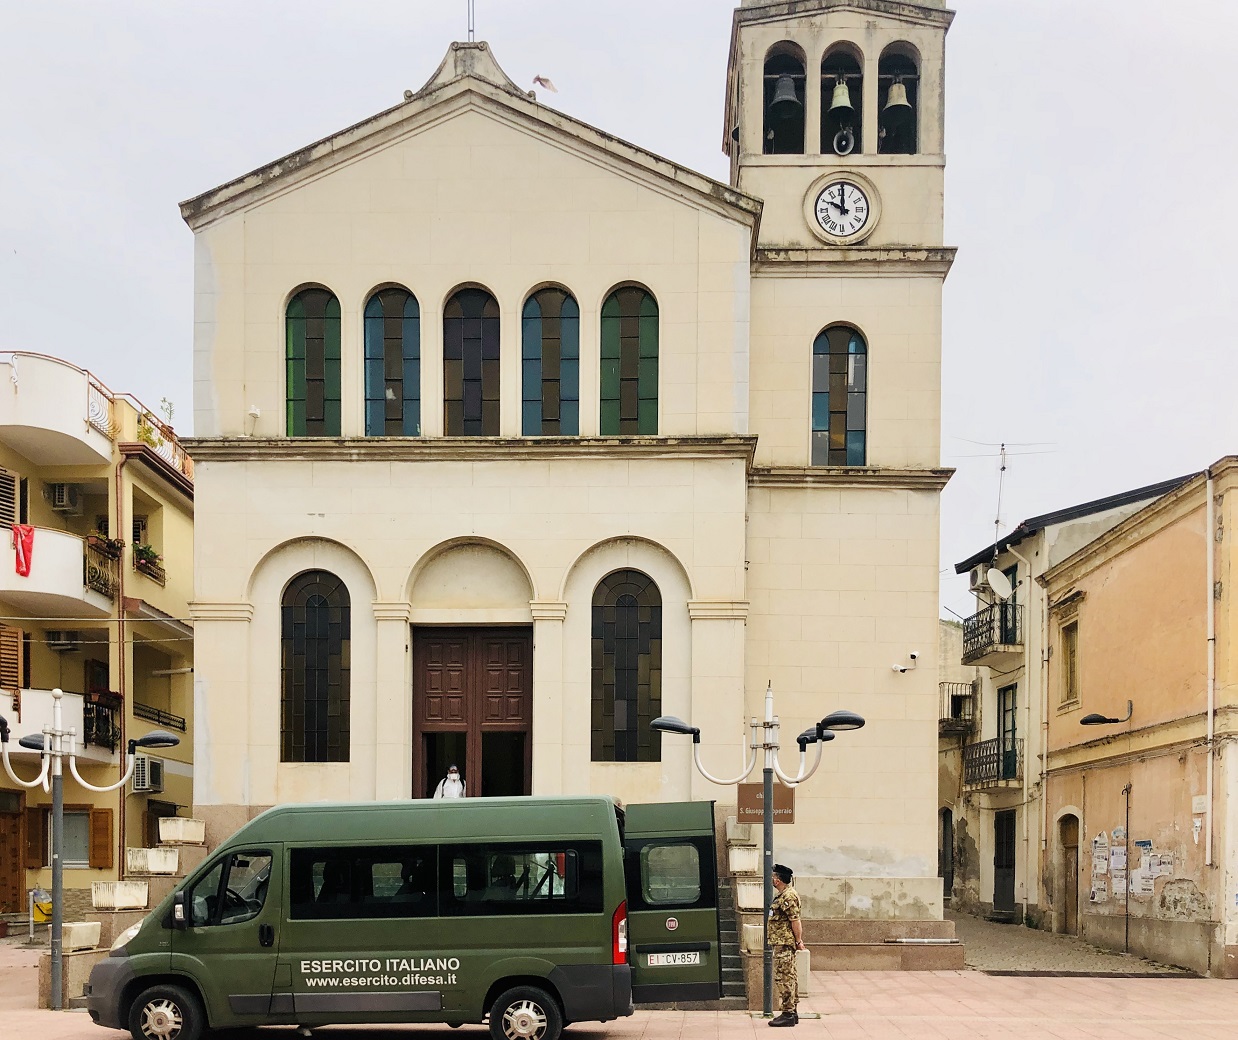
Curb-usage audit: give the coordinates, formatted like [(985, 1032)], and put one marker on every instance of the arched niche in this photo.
[(471, 576), (842, 80), (898, 81), (782, 101)]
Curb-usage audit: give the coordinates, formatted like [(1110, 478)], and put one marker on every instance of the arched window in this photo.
[(471, 365), (312, 332), (629, 362), (839, 397), (782, 130), (842, 102), (315, 641), (627, 668), (898, 100), (392, 364), (550, 358)]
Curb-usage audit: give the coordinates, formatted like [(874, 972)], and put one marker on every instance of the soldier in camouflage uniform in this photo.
[(786, 935)]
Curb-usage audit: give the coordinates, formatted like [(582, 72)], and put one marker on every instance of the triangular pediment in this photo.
[(470, 80)]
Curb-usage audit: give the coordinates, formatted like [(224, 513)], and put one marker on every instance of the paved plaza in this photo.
[(852, 1005)]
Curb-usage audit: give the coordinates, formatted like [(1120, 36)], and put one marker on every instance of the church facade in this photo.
[(512, 436)]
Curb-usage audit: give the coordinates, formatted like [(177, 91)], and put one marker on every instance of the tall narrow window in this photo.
[(898, 100), (1070, 663), (471, 365), (312, 331), (1008, 739), (627, 668), (839, 392), (392, 364), (629, 362), (315, 698), (782, 129), (550, 358)]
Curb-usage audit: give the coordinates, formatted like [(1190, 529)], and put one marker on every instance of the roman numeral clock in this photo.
[(842, 208)]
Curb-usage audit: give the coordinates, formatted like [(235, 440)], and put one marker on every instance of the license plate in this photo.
[(657, 959)]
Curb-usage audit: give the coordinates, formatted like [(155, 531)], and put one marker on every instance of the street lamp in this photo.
[(54, 745), (821, 733), (1097, 719)]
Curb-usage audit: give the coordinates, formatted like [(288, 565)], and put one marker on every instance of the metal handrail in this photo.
[(992, 761), (158, 716), (958, 704), (1000, 624)]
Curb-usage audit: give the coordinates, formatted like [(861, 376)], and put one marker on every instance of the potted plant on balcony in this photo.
[(148, 561), (105, 546)]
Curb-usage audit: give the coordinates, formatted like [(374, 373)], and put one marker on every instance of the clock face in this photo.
[(842, 208)]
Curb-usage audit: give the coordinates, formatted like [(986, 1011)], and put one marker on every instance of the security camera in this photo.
[(914, 655), (898, 668)]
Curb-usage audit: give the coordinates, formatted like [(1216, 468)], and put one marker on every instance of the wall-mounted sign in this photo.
[(752, 799)]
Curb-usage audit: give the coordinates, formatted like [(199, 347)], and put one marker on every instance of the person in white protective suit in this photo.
[(451, 786)]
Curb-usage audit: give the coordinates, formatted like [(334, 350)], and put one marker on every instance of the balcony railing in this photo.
[(158, 716), (152, 570), (997, 628), (101, 719), (958, 707), (990, 762), (100, 571)]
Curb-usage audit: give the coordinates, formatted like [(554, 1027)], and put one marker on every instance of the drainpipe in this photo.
[(1210, 614), (121, 796), (1027, 672)]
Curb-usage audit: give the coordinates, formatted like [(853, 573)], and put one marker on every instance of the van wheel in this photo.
[(166, 1013), (525, 1013)]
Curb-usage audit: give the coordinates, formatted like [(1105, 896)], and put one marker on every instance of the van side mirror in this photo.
[(178, 910)]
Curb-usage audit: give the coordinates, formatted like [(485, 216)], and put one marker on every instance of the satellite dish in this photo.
[(999, 583)]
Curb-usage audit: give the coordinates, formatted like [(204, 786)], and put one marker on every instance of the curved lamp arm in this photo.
[(750, 760), (796, 780), (102, 790), (8, 768)]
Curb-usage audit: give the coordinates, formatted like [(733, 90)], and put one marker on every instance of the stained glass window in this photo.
[(314, 708), (392, 364), (312, 333), (471, 365), (839, 398), (550, 360), (629, 363), (627, 668)]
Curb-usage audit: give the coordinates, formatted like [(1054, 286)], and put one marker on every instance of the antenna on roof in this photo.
[(997, 519), (472, 21)]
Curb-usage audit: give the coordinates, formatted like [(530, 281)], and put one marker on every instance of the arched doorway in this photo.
[(1068, 835), (945, 852)]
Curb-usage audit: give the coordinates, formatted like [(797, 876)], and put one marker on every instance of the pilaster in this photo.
[(548, 717)]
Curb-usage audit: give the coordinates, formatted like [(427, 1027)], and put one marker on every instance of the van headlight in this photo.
[(126, 935)]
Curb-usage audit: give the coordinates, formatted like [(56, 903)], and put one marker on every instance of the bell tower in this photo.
[(818, 87)]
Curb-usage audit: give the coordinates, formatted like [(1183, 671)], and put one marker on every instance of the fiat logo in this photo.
[(672, 923)]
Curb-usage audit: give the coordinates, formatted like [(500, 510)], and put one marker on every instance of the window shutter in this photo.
[(36, 838), (101, 838), (8, 498), (11, 658)]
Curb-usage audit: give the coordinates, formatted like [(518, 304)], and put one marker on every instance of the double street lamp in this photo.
[(763, 736), (54, 745)]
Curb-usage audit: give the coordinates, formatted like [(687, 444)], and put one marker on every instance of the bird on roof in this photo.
[(544, 81)]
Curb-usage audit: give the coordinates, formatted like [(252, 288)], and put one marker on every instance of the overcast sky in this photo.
[(1089, 317)]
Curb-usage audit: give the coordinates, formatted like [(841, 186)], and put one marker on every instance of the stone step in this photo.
[(727, 1003), (160, 887), (886, 956), (857, 931), (75, 971), (113, 922), (191, 856)]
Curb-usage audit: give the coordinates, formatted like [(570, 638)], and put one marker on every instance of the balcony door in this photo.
[(12, 849), (473, 708), (1008, 742)]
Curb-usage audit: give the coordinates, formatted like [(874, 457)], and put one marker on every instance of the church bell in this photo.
[(897, 112), (785, 104), (840, 103)]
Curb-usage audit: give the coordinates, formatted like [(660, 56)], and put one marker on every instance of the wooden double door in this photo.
[(473, 708)]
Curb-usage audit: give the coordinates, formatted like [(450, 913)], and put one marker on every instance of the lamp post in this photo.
[(763, 736), (55, 744), (1097, 719)]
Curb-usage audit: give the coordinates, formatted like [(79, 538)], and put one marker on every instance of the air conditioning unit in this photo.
[(65, 498), (147, 775), (61, 639), (978, 580)]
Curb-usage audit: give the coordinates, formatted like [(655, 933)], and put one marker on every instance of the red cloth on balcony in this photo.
[(23, 546)]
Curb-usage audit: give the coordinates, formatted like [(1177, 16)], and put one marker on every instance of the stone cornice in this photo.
[(202, 610), (778, 10), (717, 609), (812, 262), (464, 449), (848, 476), (394, 610), (547, 610)]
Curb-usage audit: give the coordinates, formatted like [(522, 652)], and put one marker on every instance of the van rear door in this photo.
[(672, 888)]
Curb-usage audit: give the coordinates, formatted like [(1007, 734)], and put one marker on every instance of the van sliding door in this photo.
[(672, 889)]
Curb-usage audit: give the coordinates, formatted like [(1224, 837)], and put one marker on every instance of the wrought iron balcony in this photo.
[(101, 719), (993, 632), (158, 716), (958, 707), (990, 762), (100, 571)]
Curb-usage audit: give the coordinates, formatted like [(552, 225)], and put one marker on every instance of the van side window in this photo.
[(670, 874), (369, 881), (530, 878), (232, 891)]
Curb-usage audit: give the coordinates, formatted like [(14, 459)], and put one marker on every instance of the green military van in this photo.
[(535, 912)]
